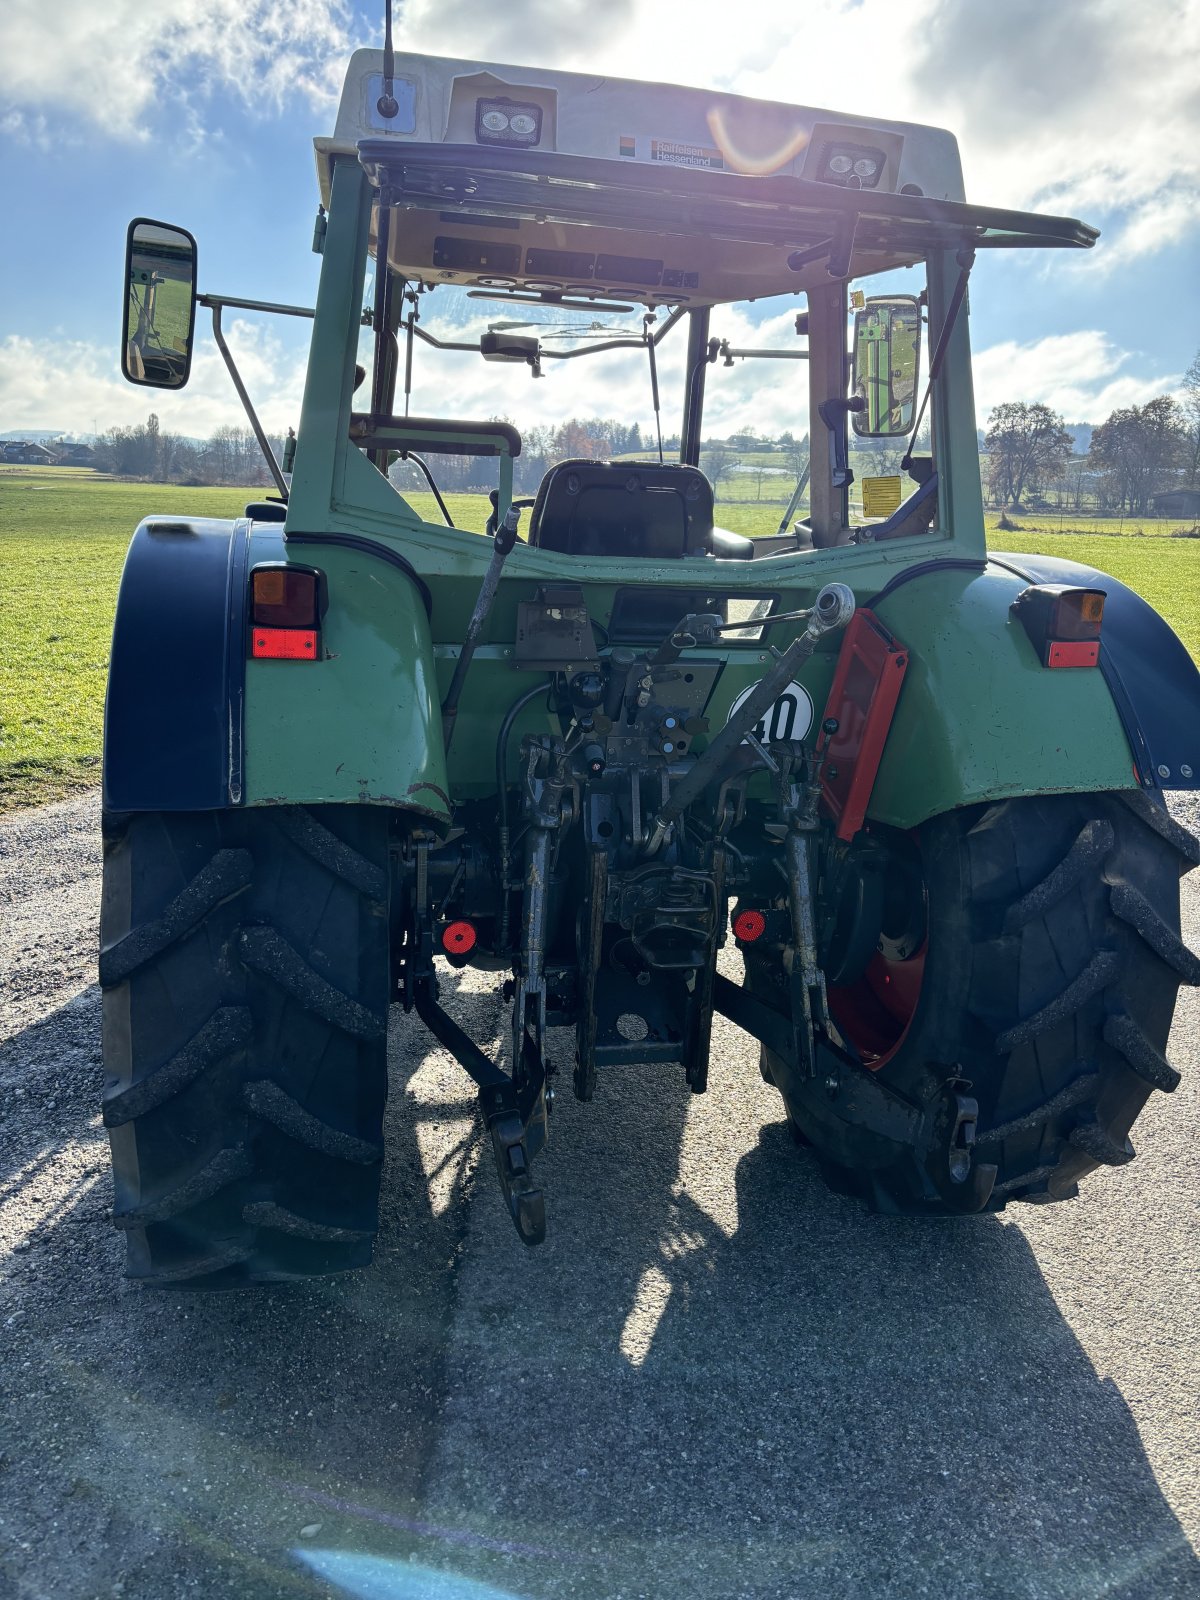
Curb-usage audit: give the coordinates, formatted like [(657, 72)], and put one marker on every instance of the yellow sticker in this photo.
[(881, 496), (858, 300)]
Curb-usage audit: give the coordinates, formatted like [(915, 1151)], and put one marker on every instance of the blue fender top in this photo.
[(173, 712), (1154, 682)]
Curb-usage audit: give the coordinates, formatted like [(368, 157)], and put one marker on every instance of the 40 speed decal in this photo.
[(790, 717)]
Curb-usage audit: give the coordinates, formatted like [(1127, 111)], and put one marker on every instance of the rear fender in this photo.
[(1154, 682), (192, 724), (172, 713), (979, 717)]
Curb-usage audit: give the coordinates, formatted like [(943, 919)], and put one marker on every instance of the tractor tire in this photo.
[(1050, 969), (244, 969)]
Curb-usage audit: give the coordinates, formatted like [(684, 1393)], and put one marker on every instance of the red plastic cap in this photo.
[(458, 938), (749, 925)]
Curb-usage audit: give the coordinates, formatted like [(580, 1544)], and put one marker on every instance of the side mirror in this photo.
[(887, 365), (160, 304)]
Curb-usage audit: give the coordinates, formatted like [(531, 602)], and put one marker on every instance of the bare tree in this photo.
[(1139, 448), (1027, 445), (1191, 412), (718, 462)]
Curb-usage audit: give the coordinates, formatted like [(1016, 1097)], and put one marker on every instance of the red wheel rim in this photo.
[(875, 1012)]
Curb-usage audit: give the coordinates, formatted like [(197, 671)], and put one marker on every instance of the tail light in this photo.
[(286, 603), (1063, 623)]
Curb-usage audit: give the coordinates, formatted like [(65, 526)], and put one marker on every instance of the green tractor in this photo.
[(919, 787)]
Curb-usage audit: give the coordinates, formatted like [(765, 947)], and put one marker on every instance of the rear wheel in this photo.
[(1043, 984), (244, 964)]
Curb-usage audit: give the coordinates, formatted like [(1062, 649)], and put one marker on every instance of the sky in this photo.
[(202, 112)]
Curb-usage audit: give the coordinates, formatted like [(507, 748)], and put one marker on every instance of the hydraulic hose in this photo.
[(506, 727), (505, 538)]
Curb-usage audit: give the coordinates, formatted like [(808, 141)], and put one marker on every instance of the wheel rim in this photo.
[(875, 1011)]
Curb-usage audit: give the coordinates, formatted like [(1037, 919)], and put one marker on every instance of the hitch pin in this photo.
[(764, 755)]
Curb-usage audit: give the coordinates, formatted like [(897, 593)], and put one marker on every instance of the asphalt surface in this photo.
[(716, 1379)]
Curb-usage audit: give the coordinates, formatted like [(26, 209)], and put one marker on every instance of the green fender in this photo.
[(363, 723), (979, 717)]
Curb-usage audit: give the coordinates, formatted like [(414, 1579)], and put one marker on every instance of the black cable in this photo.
[(382, 552), (923, 569), (513, 712), (411, 455)]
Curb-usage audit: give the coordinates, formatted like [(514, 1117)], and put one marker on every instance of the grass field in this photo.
[(63, 537)]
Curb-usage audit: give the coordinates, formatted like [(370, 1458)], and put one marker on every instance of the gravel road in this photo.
[(715, 1380)]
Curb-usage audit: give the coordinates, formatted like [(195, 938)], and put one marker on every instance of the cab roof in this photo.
[(564, 184)]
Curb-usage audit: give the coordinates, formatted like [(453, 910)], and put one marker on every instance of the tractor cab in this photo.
[(617, 216)]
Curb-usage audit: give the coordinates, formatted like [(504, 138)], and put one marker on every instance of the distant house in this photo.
[(76, 455), (27, 453), (1176, 503)]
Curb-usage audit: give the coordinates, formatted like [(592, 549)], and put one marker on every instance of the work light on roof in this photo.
[(854, 166), (507, 122)]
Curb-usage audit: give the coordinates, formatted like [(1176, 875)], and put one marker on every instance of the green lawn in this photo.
[(63, 537)]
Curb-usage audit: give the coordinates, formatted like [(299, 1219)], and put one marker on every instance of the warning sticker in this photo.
[(881, 496), (670, 151)]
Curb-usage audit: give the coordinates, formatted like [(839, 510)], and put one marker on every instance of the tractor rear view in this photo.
[(918, 788)]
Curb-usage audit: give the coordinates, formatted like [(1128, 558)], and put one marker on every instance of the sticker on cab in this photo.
[(790, 717), (675, 153)]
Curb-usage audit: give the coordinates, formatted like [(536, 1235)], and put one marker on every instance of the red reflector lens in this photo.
[(1081, 653), (284, 597), (284, 644), (458, 938), (749, 925)]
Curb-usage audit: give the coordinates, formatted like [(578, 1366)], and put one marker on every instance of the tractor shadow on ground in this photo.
[(176, 1440), (796, 1399), (821, 1402)]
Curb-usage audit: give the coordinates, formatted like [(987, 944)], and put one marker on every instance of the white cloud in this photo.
[(124, 66), (1080, 375), (76, 386)]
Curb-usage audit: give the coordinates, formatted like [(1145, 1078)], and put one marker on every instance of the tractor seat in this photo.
[(640, 509)]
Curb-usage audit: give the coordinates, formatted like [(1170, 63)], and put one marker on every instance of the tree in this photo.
[(1191, 413), (795, 452), (1139, 448), (718, 462), (1027, 444)]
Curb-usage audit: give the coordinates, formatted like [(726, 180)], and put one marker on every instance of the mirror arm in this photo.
[(263, 442), (235, 303)]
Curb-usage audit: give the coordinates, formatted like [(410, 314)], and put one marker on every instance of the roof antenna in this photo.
[(386, 104)]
